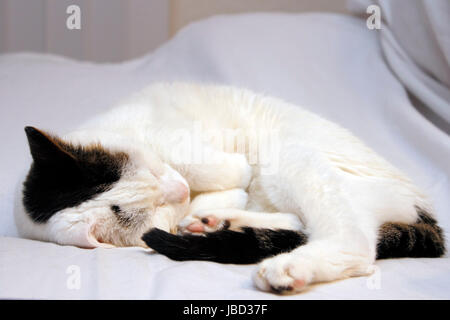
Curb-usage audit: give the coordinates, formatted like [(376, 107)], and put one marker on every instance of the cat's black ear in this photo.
[(45, 149)]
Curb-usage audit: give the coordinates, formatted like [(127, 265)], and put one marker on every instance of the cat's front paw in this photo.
[(245, 173), (238, 173)]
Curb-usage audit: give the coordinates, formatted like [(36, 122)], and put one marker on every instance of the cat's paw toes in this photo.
[(208, 224), (196, 227), (280, 275), (203, 224)]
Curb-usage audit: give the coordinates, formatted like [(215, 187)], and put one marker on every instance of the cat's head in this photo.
[(94, 196)]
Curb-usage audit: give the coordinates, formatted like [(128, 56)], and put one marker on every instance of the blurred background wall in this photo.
[(117, 30)]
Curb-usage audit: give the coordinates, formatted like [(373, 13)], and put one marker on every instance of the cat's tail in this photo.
[(421, 239), (225, 246), (396, 240)]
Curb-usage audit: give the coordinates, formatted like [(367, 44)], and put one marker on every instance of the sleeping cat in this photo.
[(267, 179)]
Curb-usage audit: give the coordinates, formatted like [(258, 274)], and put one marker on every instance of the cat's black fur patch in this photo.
[(225, 246), (116, 209), (422, 239), (63, 175)]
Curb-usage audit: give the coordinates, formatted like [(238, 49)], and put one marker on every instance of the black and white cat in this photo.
[(266, 179)]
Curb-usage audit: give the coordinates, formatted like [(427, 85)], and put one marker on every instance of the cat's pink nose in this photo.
[(176, 192)]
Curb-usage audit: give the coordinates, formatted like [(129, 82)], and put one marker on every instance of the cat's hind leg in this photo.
[(317, 261), (233, 198), (236, 219), (342, 231), (213, 211)]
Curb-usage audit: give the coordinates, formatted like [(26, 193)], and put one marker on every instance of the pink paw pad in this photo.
[(299, 283), (196, 227), (210, 221)]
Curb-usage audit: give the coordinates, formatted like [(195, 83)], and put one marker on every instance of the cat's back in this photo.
[(217, 105)]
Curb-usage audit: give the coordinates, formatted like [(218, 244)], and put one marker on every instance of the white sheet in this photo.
[(329, 64), (416, 44)]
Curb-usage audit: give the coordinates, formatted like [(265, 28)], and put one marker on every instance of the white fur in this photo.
[(338, 188)]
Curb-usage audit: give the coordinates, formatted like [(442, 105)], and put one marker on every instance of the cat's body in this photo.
[(291, 163)]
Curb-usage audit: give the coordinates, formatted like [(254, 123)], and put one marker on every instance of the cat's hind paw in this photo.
[(208, 221), (293, 272), (208, 224), (280, 276)]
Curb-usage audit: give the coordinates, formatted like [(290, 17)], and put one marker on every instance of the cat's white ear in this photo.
[(80, 234)]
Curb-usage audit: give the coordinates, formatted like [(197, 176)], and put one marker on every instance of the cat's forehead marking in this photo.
[(64, 175)]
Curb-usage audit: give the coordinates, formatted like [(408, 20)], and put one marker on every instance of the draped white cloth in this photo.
[(415, 40)]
